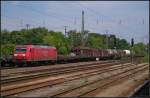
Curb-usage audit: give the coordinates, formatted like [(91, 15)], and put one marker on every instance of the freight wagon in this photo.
[(98, 53)]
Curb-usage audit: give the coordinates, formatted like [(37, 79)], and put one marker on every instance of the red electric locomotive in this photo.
[(34, 53)]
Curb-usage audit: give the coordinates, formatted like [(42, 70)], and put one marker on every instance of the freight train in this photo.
[(28, 54)]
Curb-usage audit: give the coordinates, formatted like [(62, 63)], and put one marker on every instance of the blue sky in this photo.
[(125, 19)]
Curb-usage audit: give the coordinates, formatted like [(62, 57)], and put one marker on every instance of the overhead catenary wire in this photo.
[(11, 25), (99, 14), (93, 11), (18, 24), (18, 18), (74, 22), (120, 21), (38, 11), (21, 24), (21, 20), (96, 22), (47, 14)]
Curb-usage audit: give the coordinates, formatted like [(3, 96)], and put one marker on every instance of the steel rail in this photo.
[(62, 80), (96, 81), (54, 72)]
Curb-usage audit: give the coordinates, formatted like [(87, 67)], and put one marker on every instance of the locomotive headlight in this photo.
[(23, 54), (15, 54)]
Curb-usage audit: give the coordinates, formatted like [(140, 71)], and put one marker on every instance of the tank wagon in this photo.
[(127, 52)]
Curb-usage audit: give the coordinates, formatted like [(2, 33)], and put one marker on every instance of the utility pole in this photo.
[(27, 26), (115, 43), (75, 22), (21, 23), (66, 30), (82, 29), (107, 43), (132, 43)]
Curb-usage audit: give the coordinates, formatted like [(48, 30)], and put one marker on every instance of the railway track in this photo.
[(3, 68), (27, 70), (84, 90), (54, 71), (11, 81), (56, 91), (31, 66), (117, 80), (14, 89)]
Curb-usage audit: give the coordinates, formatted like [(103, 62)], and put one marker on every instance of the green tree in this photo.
[(140, 49), (58, 40), (95, 41), (5, 37), (75, 38), (122, 44), (63, 44), (7, 49)]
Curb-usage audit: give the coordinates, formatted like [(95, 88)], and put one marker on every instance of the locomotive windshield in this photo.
[(20, 50)]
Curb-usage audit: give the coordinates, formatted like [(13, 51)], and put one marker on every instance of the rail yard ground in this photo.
[(111, 78)]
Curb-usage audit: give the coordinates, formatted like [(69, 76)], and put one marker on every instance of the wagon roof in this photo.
[(86, 48)]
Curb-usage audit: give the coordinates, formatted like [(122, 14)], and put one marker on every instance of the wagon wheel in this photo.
[(3, 63)]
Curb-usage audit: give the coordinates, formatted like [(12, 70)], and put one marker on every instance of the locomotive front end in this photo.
[(20, 53)]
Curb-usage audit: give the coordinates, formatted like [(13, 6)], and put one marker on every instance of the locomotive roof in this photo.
[(36, 46), (42, 46)]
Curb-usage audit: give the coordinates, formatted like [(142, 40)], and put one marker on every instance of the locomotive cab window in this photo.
[(20, 50)]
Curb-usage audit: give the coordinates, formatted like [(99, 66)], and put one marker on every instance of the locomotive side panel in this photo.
[(52, 54), (43, 54)]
